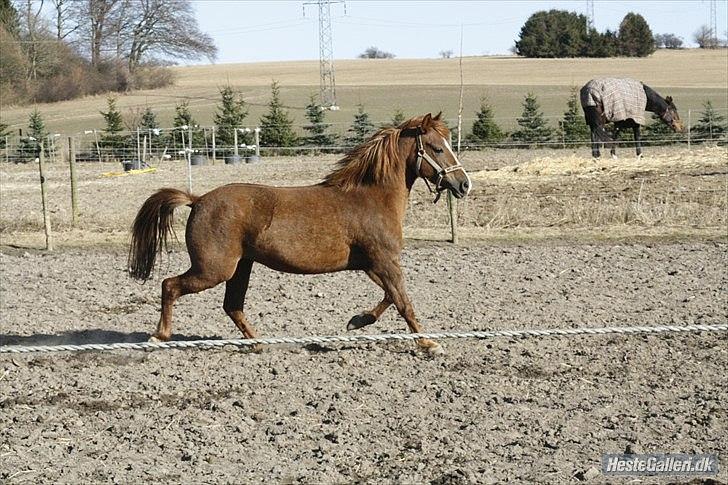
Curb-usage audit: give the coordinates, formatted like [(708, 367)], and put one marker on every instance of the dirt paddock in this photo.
[(488, 411)]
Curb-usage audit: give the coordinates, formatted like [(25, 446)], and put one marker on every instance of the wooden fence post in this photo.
[(46, 215), (74, 193), (452, 206), (214, 146)]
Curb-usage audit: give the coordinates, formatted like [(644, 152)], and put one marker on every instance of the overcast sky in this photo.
[(276, 30)]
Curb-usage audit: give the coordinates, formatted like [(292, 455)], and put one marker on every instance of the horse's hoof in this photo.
[(361, 320), (154, 340), (436, 350)]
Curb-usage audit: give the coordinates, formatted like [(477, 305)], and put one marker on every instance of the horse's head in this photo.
[(671, 117), (441, 167)]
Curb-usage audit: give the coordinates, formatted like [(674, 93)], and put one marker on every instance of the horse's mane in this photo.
[(377, 160)]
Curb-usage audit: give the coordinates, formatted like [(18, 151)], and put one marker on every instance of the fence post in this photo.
[(235, 141), (46, 215), (452, 206), (257, 142), (7, 149), (98, 148), (74, 193), (189, 160), (214, 146), (689, 124)]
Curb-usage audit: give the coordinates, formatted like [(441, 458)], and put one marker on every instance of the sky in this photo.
[(278, 30)]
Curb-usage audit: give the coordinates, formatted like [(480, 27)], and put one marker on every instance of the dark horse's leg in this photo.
[(235, 290), (368, 317), (637, 139), (615, 138), (591, 114), (389, 273)]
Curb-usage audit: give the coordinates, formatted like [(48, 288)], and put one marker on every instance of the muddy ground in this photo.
[(520, 410)]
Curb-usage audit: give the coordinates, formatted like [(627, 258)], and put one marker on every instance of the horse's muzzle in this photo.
[(458, 188)]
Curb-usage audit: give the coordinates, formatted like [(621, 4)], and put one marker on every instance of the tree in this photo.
[(485, 129), (446, 54), (635, 36), (168, 28), (573, 126), (360, 129), (183, 117), (397, 119), (705, 37), (276, 127), (230, 116), (668, 41), (9, 19), (711, 125), (317, 127), (30, 145), (376, 53), (533, 126), (556, 33), (112, 138), (150, 127)]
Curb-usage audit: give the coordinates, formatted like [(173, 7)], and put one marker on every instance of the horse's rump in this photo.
[(619, 99)]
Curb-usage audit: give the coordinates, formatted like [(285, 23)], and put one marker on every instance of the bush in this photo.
[(375, 53)]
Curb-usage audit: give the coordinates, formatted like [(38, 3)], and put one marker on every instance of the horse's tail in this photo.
[(152, 225)]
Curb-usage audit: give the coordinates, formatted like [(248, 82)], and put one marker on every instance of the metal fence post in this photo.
[(74, 194), (689, 125), (214, 146), (235, 140), (189, 160), (257, 142), (43, 197)]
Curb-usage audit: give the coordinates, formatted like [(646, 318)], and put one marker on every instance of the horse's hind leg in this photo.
[(235, 290), (192, 281), (368, 317)]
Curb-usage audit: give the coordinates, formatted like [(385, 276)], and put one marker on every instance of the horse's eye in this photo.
[(438, 150)]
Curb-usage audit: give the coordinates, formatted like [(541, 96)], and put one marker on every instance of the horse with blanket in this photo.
[(623, 102)]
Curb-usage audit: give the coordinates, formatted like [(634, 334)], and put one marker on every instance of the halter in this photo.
[(440, 171)]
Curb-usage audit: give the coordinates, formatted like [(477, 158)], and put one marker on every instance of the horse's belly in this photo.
[(306, 255)]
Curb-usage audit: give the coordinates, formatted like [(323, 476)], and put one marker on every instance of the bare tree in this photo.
[(446, 54), (705, 38), (95, 29), (166, 28), (64, 16)]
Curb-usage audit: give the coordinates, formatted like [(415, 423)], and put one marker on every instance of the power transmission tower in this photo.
[(326, 54), (714, 22), (589, 15)]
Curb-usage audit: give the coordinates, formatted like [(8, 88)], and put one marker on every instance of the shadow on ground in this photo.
[(80, 337)]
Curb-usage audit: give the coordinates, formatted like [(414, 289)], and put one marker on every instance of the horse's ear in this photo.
[(669, 100), (426, 122), (438, 116)]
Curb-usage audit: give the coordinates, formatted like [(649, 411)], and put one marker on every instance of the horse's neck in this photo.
[(655, 103)]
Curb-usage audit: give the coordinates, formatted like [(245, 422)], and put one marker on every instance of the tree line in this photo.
[(61, 49), (560, 33), (277, 128)]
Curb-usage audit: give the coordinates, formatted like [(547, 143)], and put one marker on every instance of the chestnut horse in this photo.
[(350, 221)]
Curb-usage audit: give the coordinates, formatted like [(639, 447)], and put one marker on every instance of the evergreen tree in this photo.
[(485, 129), (360, 129), (150, 127), (230, 116), (658, 133), (276, 127), (317, 129), (37, 133), (533, 126), (112, 139), (635, 36), (711, 125), (183, 117), (573, 126), (397, 119), (3, 133), (553, 33)]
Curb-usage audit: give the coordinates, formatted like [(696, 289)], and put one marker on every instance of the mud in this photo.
[(536, 410)]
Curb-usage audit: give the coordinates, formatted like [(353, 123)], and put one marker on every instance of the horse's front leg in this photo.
[(595, 143), (390, 274), (368, 317), (637, 140)]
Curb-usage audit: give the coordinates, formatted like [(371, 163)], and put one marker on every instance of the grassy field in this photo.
[(413, 85)]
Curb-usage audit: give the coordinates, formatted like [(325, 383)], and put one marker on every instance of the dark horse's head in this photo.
[(671, 117)]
